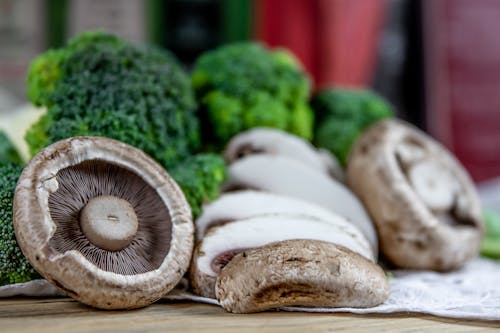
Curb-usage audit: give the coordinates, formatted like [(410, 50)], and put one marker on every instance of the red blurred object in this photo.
[(463, 81), (336, 40)]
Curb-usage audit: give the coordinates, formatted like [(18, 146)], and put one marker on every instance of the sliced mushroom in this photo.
[(300, 273), (271, 141), (244, 204), (221, 243), (103, 222), (285, 176), (423, 202)]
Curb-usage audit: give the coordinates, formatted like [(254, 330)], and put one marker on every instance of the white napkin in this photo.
[(472, 292)]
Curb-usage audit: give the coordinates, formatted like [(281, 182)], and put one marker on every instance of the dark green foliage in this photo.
[(100, 85), (14, 267), (491, 242), (8, 153), (343, 114), (200, 178), (244, 85)]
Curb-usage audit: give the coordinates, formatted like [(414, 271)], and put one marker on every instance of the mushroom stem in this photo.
[(109, 222)]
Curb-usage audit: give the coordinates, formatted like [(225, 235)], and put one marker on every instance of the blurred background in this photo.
[(437, 61)]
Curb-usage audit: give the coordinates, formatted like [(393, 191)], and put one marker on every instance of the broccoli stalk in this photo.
[(490, 246), (14, 267), (343, 114), (243, 85)]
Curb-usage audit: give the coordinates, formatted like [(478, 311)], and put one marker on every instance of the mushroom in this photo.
[(307, 273), (272, 141), (423, 202), (243, 204), (286, 176), (103, 222), (221, 243)]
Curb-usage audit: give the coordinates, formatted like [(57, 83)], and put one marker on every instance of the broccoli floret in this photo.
[(244, 85), (14, 267), (8, 153), (100, 85), (490, 246), (343, 114), (200, 178)]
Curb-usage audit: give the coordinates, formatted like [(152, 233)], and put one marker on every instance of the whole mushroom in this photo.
[(423, 202), (300, 272), (103, 222)]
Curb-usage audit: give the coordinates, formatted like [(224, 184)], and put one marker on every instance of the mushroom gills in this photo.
[(223, 241), (285, 176), (307, 273), (92, 188), (247, 203), (271, 141)]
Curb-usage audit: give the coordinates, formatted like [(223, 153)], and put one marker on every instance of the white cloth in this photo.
[(470, 293)]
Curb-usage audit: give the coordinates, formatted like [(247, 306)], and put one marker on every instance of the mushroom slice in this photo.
[(221, 243), (243, 204), (103, 222), (272, 141), (307, 273), (423, 202), (286, 176)]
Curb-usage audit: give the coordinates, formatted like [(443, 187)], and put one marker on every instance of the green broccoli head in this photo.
[(14, 267), (200, 178), (8, 153), (343, 114), (100, 85), (244, 85)]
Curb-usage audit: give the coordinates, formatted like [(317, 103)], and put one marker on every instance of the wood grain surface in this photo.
[(56, 315)]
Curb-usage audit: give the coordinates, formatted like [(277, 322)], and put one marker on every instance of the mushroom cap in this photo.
[(68, 266), (307, 273), (221, 243), (411, 233), (286, 176)]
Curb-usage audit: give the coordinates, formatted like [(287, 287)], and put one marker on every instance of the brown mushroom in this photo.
[(306, 273), (221, 243), (423, 202), (103, 222)]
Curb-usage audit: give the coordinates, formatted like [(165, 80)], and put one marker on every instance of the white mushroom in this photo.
[(221, 243), (423, 202), (239, 205), (103, 222), (307, 273), (271, 141), (286, 176)]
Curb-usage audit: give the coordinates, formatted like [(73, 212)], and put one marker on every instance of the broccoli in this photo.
[(343, 114), (200, 178), (14, 267), (490, 246), (8, 153), (244, 85), (100, 85)]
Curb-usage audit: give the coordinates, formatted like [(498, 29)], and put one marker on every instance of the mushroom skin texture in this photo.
[(70, 270), (221, 243), (300, 273), (285, 176), (391, 167), (262, 140)]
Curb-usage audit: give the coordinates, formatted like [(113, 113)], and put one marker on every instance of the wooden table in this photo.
[(66, 315)]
